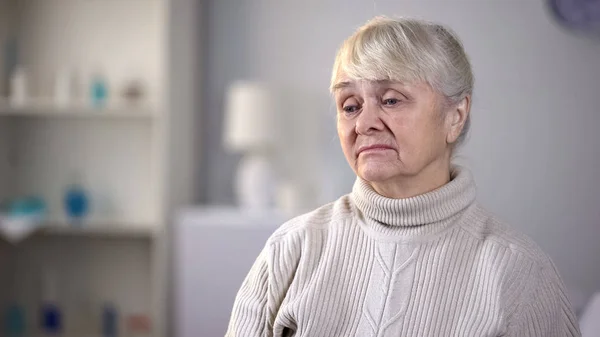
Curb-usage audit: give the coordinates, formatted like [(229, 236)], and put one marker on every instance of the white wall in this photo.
[(534, 146)]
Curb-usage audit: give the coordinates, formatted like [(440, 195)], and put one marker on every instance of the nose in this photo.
[(369, 119)]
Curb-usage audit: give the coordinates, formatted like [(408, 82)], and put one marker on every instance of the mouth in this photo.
[(374, 148)]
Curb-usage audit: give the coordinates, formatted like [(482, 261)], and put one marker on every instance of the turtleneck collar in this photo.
[(419, 215)]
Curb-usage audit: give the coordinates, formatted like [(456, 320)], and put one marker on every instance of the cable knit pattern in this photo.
[(434, 265), (392, 278)]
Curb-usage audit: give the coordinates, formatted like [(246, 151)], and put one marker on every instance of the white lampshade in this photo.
[(250, 119)]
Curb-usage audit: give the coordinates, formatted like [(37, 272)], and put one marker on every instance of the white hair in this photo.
[(407, 50)]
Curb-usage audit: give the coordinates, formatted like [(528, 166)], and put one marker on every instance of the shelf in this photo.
[(91, 229), (100, 229), (46, 109)]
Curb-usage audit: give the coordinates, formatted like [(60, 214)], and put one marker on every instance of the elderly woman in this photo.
[(409, 252)]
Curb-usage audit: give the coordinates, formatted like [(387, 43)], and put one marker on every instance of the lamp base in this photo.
[(255, 183)]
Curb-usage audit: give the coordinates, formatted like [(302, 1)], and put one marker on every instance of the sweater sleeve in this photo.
[(544, 308), (264, 289), (250, 315)]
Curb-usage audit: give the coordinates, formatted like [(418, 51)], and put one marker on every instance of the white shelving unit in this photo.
[(77, 111), (136, 161), (101, 229), (106, 229)]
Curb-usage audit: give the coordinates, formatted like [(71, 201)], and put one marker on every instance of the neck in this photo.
[(413, 217), (432, 177)]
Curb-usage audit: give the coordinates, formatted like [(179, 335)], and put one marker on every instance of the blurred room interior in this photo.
[(148, 148)]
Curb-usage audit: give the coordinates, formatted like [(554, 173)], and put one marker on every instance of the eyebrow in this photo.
[(341, 85)]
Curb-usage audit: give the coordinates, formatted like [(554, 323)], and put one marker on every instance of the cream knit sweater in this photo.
[(432, 265)]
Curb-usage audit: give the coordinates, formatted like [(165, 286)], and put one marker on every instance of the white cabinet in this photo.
[(214, 249)]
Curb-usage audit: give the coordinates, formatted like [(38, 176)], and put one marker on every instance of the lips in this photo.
[(374, 147)]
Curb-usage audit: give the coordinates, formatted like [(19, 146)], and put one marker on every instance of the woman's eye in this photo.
[(350, 108), (391, 101)]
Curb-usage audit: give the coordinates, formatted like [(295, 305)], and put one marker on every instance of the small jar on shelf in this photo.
[(98, 91), (76, 201)]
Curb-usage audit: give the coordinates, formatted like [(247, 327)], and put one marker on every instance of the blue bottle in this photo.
[(15, 321), (109, 321), (98, 92), (76, 204), (51, 319)]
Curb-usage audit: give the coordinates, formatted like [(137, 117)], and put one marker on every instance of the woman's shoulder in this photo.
[(491, 228), (533, 291), (319, 219)]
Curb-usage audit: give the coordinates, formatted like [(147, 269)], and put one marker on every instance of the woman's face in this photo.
[(389, 130)]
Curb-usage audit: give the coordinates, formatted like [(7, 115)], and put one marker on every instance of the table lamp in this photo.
[(250, 128)]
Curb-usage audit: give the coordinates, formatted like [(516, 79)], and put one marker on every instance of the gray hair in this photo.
[(408, 50)]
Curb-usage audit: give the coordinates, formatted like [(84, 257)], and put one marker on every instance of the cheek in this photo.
[(346, 136), (427, 139), (416, 135), (404, 132)]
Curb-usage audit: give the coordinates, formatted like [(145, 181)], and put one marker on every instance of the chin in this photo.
[(377, 172)]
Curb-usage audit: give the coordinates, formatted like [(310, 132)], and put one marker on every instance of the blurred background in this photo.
[(148, 148)]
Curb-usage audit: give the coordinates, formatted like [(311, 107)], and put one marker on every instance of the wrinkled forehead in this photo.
[(352, 74), (348, 83)]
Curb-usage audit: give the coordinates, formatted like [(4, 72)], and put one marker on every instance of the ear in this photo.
[(456, 117)]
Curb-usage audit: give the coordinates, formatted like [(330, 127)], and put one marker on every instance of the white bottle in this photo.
[(18, 87), (62, 88)]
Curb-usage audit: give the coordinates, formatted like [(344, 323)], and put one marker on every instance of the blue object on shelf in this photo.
[(77, 203), (27, 206), (15, 321), (99, 92), (109, 321), (51, 319)]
